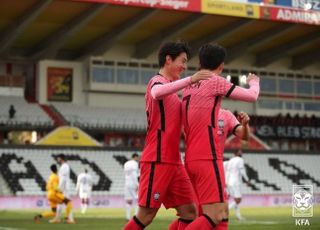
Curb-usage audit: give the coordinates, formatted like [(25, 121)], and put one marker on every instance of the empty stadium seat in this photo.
[(26, 113), (102, 117)]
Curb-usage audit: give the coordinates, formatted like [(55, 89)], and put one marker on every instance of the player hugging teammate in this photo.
[(163, 178)]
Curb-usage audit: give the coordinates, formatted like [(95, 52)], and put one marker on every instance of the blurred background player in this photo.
[(54, 196), (235, 172), (204, 150), (83, 188), (163, 179), (131, 172), (64, 186)]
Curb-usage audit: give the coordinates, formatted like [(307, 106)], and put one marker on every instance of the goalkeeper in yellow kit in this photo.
[(55, 196)]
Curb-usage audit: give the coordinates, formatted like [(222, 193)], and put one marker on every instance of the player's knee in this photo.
[(187, 212), (216, 217), (226, 213), (146, 219), (226, 210)]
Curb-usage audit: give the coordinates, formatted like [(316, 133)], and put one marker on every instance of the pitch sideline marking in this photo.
[(253, 222), (6, 228)]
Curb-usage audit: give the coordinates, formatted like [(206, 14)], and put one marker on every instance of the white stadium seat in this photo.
[(26, 113), (26, 170), (103, 117)]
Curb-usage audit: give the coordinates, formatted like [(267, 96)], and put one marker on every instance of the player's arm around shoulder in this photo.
[(166, 88), (200, 75)]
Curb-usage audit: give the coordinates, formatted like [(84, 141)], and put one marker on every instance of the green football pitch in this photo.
[(256, 218)]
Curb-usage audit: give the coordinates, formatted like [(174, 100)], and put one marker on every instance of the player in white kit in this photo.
[(84, 187), (235, 171), (131, 171), (64, 186)]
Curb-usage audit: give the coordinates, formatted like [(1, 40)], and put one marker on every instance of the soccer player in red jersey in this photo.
[(163, 179), (204, 152), (229, 124)]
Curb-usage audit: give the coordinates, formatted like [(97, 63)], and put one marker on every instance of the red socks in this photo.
[(223, 225), (134, 224), (174, 225), (183, 223), (179, 224)]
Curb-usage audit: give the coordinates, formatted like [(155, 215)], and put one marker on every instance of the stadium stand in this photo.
[(26, 169), (103, 117), (55, 115), (4, 188), (285, 120), (12, 80), (134, 119), (26, 113), (280, 132), (303, 168)]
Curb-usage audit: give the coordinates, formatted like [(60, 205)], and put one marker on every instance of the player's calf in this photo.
[(146, 215), (143, 218), (216, 211), (212, 215)]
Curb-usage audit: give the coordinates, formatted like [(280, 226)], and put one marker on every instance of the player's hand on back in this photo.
[(251, 77), (201, 75), (243, 118)]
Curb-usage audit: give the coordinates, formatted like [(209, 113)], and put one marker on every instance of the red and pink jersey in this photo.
[(200, 107), (227, 124), (164, 126)]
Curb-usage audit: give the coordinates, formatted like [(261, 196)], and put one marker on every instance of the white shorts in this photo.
[(84, 194), (130, 193), (235, 191)]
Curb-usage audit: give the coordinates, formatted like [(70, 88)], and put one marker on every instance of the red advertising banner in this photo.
[(290, 15), (183, 5), (59, 84)]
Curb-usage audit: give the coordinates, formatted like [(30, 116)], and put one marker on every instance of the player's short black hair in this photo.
[(211, 56), (54, 168), (62, 156), (134, 155), (173, 49)]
